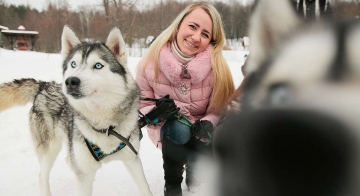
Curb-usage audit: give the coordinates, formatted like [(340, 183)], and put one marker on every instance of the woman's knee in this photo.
[(176, 132)]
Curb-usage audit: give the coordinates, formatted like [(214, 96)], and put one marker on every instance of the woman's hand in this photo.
[(202, 130), (165, 108)]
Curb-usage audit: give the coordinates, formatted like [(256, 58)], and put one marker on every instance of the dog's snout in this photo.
[(289, 152), (72, 82)]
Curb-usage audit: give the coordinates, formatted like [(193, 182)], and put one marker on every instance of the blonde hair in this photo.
[(223, 82)]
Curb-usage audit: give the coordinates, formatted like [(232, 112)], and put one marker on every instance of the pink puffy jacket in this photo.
[(192, 96)]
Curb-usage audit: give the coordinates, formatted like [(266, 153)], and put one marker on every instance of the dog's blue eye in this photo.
[(73, 64), (279, 94), (98, 66)]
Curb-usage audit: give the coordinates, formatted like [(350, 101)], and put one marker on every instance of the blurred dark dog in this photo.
[(298, 130)]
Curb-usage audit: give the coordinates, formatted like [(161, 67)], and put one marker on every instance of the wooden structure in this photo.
[(21, 39), (1, 41)]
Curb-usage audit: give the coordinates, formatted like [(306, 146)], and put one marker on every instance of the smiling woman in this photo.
[(194, 32), (185, 70)]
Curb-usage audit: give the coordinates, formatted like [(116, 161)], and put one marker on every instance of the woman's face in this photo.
[(194, 33)]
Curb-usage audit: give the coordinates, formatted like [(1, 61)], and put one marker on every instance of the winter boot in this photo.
[(174, 157), (172, 190), (198, 149), (173, 171), (191, 182)]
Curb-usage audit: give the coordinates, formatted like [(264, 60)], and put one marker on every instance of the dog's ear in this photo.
[(116, 44), (68, 41), (270, 22)]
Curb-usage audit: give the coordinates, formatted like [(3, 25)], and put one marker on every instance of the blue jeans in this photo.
[(180, 134), (175, 131)]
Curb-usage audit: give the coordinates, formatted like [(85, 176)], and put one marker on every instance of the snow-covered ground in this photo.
[(19, 168)]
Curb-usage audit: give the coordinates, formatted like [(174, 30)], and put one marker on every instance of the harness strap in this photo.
[(183, 119), (110, 131), (126, 141), (97, 153)]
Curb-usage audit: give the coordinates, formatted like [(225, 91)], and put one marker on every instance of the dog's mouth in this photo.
[(76, 95), (73, 87)]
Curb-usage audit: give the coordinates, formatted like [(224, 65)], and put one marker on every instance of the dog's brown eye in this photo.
[(278, 93)]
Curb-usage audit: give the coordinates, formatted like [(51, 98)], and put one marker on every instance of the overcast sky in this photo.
[(39, 4)]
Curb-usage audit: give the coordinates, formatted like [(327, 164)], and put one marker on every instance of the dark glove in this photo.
[(202, 129), (165, 108)]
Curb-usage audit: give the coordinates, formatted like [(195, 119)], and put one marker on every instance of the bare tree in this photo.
[(86, 14), (95, 22)]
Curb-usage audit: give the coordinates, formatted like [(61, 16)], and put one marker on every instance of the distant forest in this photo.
[(95, 22)]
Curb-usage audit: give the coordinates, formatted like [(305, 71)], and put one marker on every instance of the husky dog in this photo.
[(298, 129), (98, 97)]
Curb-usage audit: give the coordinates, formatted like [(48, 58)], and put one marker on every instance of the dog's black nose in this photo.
[(72, 82), (285, 152)]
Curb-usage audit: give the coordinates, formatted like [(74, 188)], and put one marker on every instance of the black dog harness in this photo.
[(98, 154)]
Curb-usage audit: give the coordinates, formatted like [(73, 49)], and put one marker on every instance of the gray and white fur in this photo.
[(298, 129), (97, 92)]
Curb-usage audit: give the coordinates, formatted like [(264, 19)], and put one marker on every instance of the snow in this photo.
[(3, 27), (19, 169), (20, 32)]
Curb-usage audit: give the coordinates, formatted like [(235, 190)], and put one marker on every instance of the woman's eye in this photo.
[(98, 66), (192, 26), (206, 35), (73, 64)]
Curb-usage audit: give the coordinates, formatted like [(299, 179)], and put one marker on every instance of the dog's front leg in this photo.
[(136, 171), (84, 184)]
